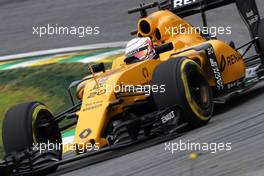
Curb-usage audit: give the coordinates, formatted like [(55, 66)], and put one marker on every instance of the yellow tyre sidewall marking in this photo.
[(35, 113), (195, 108)]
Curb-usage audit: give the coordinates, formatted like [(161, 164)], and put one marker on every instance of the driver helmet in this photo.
[(141, 48)]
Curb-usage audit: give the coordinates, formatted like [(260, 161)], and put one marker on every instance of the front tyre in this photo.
[(32, 123), (185, 86)]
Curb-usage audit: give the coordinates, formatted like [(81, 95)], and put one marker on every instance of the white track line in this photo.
[(100, 56), (63, 50)]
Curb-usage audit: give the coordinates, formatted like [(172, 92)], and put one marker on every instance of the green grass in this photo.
[(47, 84)]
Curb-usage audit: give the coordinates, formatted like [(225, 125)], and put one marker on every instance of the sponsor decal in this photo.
[(168, 117), (229, 61), (217, 74), (234, 84), (179, 3), (252, 17), (232, 59), (92, 107), (252, 72), (98, 92)]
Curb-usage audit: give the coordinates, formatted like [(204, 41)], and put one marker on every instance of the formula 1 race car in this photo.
[(165, 84)]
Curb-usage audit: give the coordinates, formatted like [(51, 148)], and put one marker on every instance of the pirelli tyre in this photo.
[(27, 124), (186, 86)]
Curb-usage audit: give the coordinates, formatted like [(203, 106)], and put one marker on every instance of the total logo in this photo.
[(179, 3)]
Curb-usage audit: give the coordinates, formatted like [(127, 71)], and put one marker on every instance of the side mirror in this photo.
[(164, 48), (98, 67)]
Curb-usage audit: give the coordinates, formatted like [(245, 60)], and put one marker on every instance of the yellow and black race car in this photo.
[(167, 82)]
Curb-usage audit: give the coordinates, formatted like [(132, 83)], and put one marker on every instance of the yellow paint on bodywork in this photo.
[(95, 112)]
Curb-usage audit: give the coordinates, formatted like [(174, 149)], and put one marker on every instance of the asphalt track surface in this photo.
[(240, 121)]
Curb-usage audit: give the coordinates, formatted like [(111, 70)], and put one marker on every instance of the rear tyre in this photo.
[(186, 86), (28, 123)]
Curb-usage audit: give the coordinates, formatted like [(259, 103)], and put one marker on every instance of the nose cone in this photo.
[(90, 125)]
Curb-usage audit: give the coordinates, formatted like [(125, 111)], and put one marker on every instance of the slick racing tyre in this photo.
[(29, 123), (186, 86)]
